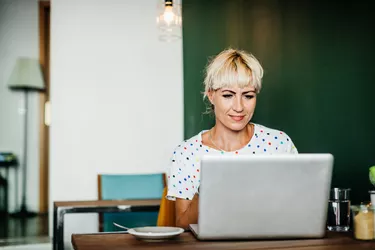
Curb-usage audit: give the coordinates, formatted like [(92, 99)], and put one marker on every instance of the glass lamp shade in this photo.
[(169, 20)]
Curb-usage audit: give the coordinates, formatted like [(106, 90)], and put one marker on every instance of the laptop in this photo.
[(263, 196)]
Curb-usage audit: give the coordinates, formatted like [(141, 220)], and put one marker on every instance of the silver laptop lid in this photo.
[(264, 196)]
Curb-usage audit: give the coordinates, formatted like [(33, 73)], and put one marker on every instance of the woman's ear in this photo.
[(210, 95)]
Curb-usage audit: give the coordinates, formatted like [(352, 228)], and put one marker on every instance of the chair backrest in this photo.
[(167, 213), (129, 187)]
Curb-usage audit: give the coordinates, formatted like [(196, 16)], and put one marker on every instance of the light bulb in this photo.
[(169, 20), (168, 15)]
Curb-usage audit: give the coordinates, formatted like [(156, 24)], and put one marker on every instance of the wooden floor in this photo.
[(20, 231)]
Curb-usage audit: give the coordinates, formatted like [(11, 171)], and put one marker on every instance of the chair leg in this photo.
[(6, 191), (60, 229), (54, 238)]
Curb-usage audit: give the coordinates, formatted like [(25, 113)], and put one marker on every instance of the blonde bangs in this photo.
[(233, 73), (233, 68)]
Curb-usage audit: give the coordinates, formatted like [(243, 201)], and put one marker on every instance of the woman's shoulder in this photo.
[(280, 137), (263, 130), (189, 144)]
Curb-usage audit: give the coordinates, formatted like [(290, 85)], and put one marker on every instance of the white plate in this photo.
[(155, 233)]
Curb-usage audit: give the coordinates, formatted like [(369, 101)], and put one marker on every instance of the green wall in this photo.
[(319, 83)]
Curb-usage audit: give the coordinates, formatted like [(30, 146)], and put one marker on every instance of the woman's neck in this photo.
[(229, 140)]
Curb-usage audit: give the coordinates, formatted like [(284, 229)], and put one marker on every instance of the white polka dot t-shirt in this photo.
[(184, 168)]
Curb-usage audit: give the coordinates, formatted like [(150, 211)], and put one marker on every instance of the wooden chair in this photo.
[(167, 213)]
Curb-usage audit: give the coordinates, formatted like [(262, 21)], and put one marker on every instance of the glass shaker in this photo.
[(338, 218)]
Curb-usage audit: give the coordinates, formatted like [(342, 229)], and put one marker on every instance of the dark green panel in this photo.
[(319, 82)]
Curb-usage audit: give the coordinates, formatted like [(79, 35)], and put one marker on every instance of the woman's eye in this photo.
[(249, 96), (227, 96)]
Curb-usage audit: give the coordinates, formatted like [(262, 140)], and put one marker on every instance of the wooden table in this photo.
[(60, 208), (332, 241)]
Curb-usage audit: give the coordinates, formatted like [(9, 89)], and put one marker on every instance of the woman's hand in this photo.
[(187, 212)]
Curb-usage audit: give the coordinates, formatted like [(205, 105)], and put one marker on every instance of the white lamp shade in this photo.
[(26, 75)]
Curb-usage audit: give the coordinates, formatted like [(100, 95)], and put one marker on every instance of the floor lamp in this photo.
[(26, 77)]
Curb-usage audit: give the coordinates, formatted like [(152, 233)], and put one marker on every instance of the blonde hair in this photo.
[(233, 67)]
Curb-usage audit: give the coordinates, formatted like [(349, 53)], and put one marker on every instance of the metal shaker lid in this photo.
[(340, 194)]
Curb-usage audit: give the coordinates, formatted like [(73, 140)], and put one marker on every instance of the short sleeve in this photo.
[(291, 149), (180, 180)]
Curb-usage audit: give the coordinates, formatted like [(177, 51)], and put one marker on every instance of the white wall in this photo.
[(116, 97), (19, 37)]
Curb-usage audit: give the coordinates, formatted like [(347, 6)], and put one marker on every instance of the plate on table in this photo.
[(155, 233)]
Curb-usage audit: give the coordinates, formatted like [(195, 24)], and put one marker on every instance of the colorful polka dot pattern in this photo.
[(184, 168)]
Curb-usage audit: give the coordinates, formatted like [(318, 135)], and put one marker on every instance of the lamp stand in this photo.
[(23, 212)]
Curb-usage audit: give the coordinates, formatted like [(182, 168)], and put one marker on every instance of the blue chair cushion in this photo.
[(131, 187), (131, 220)]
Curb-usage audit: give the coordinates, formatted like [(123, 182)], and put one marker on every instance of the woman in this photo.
[(233, 80)]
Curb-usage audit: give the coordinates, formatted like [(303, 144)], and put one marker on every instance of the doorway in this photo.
[(44, 57)]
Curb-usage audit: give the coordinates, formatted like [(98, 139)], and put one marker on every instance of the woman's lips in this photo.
[(237, 118)]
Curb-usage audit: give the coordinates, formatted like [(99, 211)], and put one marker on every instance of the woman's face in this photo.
[(234, 106)]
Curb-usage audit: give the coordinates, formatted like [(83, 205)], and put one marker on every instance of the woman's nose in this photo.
[(238, 105)]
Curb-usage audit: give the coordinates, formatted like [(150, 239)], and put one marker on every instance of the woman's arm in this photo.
[(187, 211)]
